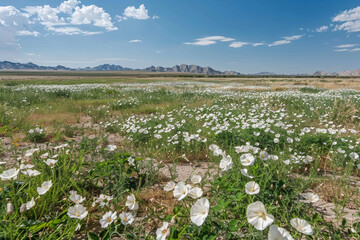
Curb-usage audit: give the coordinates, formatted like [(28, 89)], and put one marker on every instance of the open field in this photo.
[(247, 152)]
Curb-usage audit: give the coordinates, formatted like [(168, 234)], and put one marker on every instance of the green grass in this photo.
[(309, 133)]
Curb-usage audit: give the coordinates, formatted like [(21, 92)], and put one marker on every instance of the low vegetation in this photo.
[(178, 159)]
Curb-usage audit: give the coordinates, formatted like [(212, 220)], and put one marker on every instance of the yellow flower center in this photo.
[(125, 219), (252, 189), (77, 213), (108, 219), (51, 165), (164, 231), (261, 215)]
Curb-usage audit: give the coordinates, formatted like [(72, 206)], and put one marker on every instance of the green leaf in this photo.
[(92, 236), (233, 225)]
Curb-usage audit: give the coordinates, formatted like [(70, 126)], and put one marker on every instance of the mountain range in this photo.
[(183, 68)]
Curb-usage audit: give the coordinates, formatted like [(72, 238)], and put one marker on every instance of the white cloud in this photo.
[(238, 44), (155, 17), (140, 13), (286, 40), (71, 31), (257, 44), (350, 20), (27, 33), (292, 38), (322, 29), (341, 50), (355, 50), (92, 15), (68, 6), (346, 46), (134, 41), (348, 15), (47, 15), (209, 40), (12, 21)]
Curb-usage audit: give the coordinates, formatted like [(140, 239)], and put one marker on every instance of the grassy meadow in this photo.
[(154, 156)]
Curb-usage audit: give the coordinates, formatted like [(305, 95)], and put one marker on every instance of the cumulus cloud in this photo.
[(285, 40), (64, 19), (47, 15), (209, 40), (322, 28), (134, 41), (92, 15), (12, 23), (68, 6), (140, 13), (349, 20)]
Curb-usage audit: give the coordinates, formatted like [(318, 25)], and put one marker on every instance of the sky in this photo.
[(247, 36)]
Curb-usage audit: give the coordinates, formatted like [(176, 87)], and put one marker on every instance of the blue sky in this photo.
[(282, 36)]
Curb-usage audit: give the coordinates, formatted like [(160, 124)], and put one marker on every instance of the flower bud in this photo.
[(9, 208), (23, 208)]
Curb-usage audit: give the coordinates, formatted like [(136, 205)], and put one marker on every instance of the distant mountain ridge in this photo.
[(183, 68), (355, 72), (6, 65)]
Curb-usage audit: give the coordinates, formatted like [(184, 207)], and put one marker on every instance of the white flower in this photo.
[(78, 211), (247, 159), (252, 188), (131, 203), (126, 218), (276, 140), (44, 187), (131, 161), (51, 162), (103, 200), (354, 156), (257, 216), (311, 197), (195, 192), (195, 179), (111, 148), (31, 173), (169, 186), (107, 219), (9, 174), (45, 155), (199, 211), (244, 172), (26, 166), (30, 152), (163, 232), (226, 163), (302, 226), (278, 233), (30, 204), (180, 191), (76, 198), (264, 156)]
